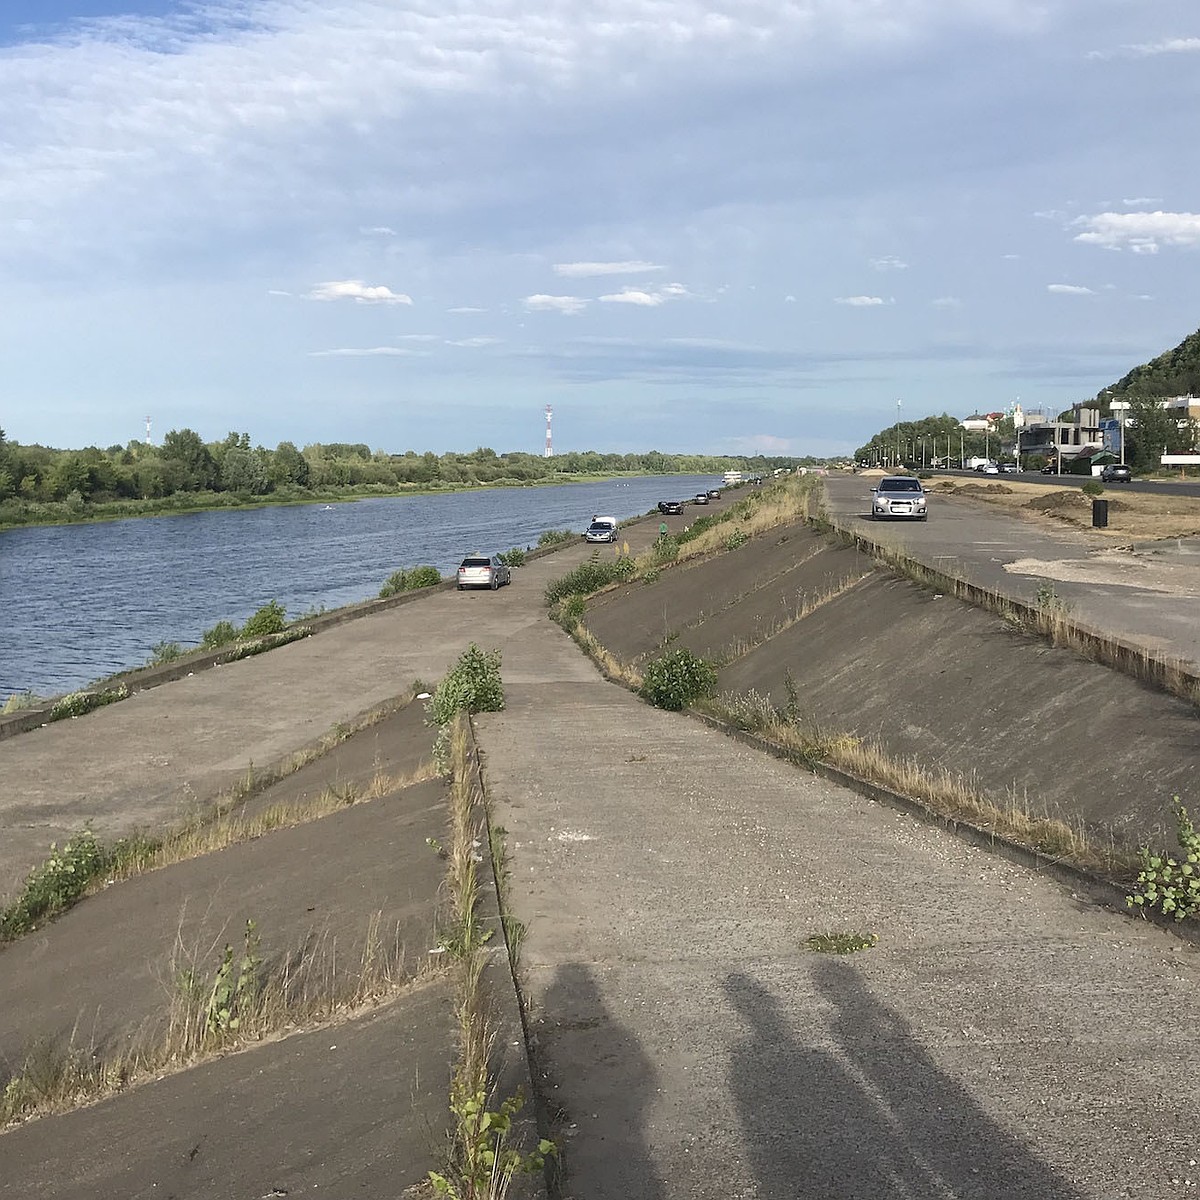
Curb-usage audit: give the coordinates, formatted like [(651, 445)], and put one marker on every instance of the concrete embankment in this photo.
[(804, 619)]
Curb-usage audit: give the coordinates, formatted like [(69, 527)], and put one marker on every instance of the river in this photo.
[(78, 602)]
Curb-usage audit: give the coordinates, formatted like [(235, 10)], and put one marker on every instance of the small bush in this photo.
[(18, 701), (410, 581), (1167, 883), (271, 618), (55, 885), (472, 685), (678, 679), (1093, 487), (665, 548), (555, 537), (165, 652), (737, 538), (77, 703), (513, 558), (569, 612), (221, 634), (589, 577)]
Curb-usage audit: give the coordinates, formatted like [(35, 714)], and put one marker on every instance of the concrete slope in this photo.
[(957, 688), (355, 1109), (1003, 1039)]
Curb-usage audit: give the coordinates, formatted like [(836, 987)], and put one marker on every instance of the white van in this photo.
[(602, 529)]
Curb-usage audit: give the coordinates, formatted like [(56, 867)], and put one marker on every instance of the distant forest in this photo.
[(40, 484)]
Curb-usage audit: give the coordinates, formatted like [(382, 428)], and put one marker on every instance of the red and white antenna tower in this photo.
[(549, 441), (147, 431)]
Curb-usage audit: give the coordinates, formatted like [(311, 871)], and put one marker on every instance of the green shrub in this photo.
[(410, 581), (665, 548), (513, 558), (678, 679), (589, 577), (555, 537), (271, 618), (221, 634), (1093, 487), (472, 685), (77, 703), (569, 611), (165, 652), (1166, 882), (55, 885), (737, 538)]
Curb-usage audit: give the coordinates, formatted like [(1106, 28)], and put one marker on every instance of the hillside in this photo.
[(1173, 373)]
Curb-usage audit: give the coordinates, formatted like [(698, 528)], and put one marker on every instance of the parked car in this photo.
[(700, 498), (1116, 473), (898, 496), (671, 508), (1009, 469), (602, 529), (714, 493), (483, 570), (1050, 469), (988, 468)]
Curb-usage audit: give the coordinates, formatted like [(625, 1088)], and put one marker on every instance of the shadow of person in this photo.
[(596, 1085), (868, 1117)]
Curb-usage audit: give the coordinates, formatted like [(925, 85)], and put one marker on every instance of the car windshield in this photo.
[(900, 485), (476, 562)]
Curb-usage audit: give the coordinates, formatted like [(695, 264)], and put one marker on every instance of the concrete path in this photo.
[(1148, 594), (1003, 1039)]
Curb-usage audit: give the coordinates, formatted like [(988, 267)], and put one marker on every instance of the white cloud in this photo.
[(860, 301), (369, 352), (377, 231), (475, 343), (567, 305), (889, 263), (633, 296), (418, 337), (1180, 45), (1142, 201), (947, 302), (466, 309), (359, 292), (1143, 232), (585, 270), (1069, 289), (789, 299)]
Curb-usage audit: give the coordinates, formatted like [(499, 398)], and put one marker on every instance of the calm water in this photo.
[(81, 601)]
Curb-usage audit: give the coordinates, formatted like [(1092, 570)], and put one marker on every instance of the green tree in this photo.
[(1152, 431), (289, 468), (185, 447), (243, 470)]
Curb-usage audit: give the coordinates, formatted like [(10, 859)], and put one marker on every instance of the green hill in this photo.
[(1174, 373)]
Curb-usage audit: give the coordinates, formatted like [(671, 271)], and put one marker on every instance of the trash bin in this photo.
[(1099, 514)]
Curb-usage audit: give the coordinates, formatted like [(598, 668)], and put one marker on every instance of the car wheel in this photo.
[(462, 587), (495, 583)]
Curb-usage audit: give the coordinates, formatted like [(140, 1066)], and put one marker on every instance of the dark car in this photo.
[(671, 508), (1050, 469), (1116, 473)]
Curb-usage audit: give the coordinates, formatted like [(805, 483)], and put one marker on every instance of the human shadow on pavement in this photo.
[(871, 1116), (596, 1086)]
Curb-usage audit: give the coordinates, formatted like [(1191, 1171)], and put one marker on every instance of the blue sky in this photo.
[(694, 225)]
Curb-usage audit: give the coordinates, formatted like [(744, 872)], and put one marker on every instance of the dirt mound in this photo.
[(1064, 501), (975, 489)]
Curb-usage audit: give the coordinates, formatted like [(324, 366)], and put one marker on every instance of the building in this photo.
[(1052, 437)]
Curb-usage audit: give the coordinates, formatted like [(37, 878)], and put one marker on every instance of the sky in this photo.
[(713, 226)]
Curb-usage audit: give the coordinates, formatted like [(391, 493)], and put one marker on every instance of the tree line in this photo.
[(188, 467)]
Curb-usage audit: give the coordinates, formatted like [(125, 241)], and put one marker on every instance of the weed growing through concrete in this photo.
[(76, 704), (1169, 884), (677, 679), (556, 537), (590, 577), (165, 652), (481, 1162), (56, 885), (841, 943)]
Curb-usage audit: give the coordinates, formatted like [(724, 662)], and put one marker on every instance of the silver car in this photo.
[(899, 496), (483, 570)]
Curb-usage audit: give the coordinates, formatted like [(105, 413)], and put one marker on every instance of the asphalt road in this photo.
[(1178, 487), (1148, 595)]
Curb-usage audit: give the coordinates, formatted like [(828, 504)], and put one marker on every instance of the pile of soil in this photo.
[(1058, 502), (975, 489)]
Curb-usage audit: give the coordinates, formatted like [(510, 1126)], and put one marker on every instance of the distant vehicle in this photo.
[(988, 468), (1050, 469), (671, 508), (602, 529), (1009, 468), (1116, 473), (483, 570), (700, 498), (714, 493), (898, 496)]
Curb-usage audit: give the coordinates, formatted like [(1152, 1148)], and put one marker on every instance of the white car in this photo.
[(483, 570), (899, 496)]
